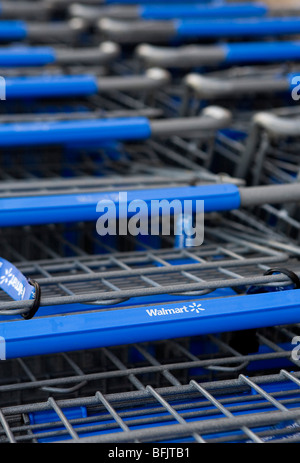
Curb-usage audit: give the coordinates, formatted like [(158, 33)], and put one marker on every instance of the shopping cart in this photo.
[(129, 297), (69, 32), (88, 101), (215, 56), (245, 91), (24, 59), (239, 89), (165, 11), (70, 86), (76, 128), (271, 148)]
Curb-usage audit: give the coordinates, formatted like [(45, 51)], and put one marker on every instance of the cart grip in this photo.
[(48, 86), (261, 52), (166, 11), (237, 28), (152, 2), (153, 322), (64, 132), (26, 56), (13, 30), (78, 207)]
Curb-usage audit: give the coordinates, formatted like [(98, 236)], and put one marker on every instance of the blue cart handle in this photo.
[(96, 130), (189, 11), (148, 2), (149, 323), (63, 86), (91, 206), (182, 29), (26, 56), (254, 27), (166, 11), (47, 86), (69, 132), (77, 207), (256, 52), (189, 56), (36, 30), (13, 30)]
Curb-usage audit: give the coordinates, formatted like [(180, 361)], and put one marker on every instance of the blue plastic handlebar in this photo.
[(233, 10), (78, 207), (48, 86), (13, 30), (157, 2), (15, 56), (69, 132), (257, 27), (261, 52), (46, 335)]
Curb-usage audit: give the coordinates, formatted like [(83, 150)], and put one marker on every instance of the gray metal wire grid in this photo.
[(171, 391), (227, 259)]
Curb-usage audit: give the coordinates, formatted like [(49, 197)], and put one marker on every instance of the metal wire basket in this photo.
[(172, 392)]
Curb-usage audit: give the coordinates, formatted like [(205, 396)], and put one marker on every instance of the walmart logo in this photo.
[(194, 307)]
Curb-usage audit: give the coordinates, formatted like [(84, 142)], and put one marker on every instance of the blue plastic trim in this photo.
[(77, 207), (64, 132), (117, 327), (155, 2), (14, 283), (233, 10), (237, 28), (49, 86), (17, 56), (13, 30), (261, 52)]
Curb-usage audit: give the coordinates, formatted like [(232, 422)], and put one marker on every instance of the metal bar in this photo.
[(181, 29), (6, 428), (63, 419), (208, 87), (159, 12), (184, 430), (224, 410), (172, 411), (122, 374), (189, 56)]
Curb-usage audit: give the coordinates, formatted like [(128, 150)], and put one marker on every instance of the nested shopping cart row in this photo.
[(82, 101), (157, 294), (143, 338), (92, 10), (263, 137), (40, 203)]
